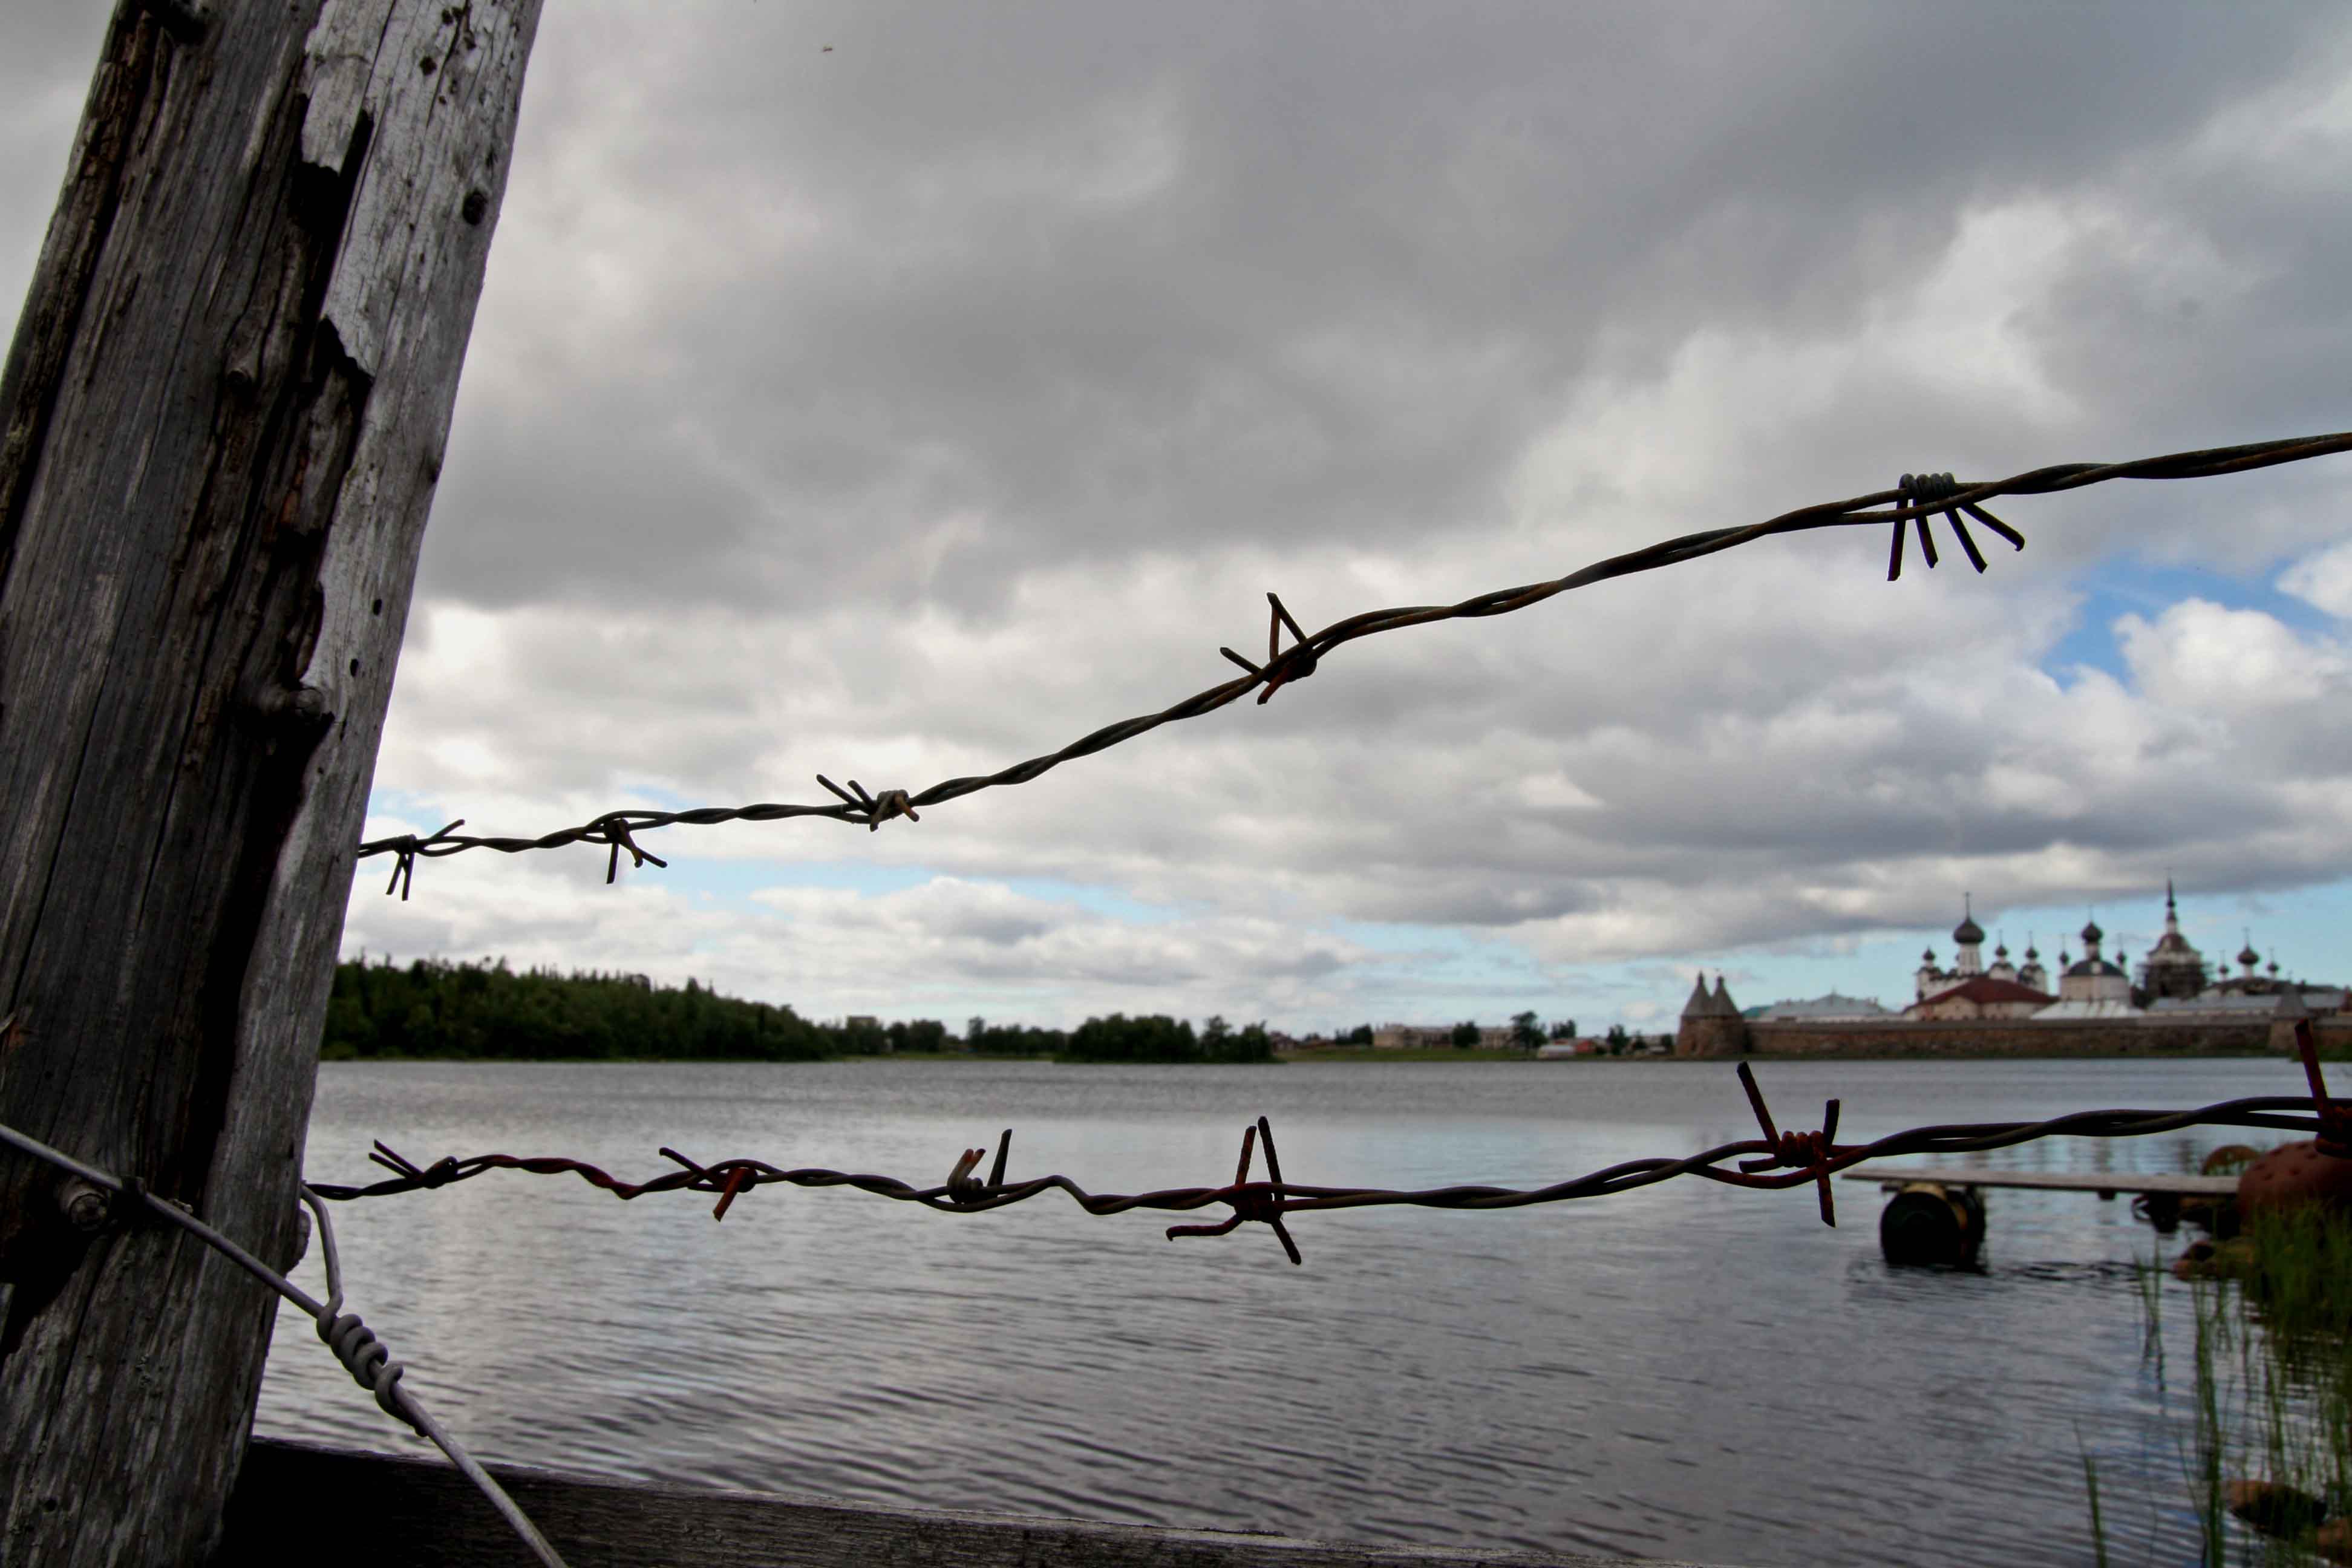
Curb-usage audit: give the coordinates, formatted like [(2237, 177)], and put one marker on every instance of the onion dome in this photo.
[(1968, 933), (2092, 934), (1929, 957), (2248, 956)]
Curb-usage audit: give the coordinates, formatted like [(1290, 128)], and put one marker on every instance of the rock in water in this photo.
[(2274, 1508), (2231, 1259)]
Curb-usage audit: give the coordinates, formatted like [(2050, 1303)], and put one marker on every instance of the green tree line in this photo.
[(1013, 1040), (433, 1009), (1160, 1038)]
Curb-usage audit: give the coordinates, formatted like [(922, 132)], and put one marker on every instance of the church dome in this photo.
[(2092, 934), (2248, 956), (1968, 933)]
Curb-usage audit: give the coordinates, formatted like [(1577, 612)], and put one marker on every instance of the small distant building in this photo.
[(2217, 1006), (2172, 968), (2090, 987), (1982, 998), (2251, 980), (1832, 1008), (1967, 960), (1430, 1036), (2250, 993)]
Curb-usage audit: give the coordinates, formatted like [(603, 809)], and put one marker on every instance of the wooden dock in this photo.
[(1936, 1214), (2106, 1183)]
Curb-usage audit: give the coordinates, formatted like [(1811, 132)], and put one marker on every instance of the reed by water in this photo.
[(2268, 1456)]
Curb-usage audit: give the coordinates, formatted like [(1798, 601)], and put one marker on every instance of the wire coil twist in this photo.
[(369, 1361)]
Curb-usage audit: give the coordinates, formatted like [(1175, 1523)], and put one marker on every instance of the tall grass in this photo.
[(2271, 1397), (2091, 1485)]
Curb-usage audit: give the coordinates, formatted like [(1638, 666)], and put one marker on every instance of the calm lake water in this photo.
[(1687, 1371)]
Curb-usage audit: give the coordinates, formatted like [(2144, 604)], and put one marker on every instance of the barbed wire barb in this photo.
[(1915, 499), (1812, 1152), (1260, 1202), (872, 810), (408, 846)]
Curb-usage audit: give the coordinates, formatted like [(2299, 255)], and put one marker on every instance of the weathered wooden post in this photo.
[(225, 412)]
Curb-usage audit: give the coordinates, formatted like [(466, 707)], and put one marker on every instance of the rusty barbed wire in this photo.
[(1915, 500), (1779, 1160)]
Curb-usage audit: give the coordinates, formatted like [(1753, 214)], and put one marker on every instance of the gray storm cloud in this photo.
[(910, 408)]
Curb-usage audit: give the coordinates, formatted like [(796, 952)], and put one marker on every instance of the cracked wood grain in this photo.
[(221, 423)]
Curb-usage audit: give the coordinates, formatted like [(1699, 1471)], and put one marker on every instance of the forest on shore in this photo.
[(431, 1009)]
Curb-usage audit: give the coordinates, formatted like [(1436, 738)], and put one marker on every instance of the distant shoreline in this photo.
[(1356, 1055)]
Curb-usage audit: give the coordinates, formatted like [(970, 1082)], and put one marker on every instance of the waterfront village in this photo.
[(2177, 1004)]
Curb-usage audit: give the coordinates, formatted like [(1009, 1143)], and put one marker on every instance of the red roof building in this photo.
[(1982, 998)]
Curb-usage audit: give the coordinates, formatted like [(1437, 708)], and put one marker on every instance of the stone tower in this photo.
[(1711, 1024)]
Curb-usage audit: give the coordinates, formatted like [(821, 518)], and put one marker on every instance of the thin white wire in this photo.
[(396, 1399)]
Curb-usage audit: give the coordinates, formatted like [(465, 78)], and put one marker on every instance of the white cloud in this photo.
[(2324, 579), (905, 411), (2200, 658)]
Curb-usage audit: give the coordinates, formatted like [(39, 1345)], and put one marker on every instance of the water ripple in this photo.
[(1685, 1371)]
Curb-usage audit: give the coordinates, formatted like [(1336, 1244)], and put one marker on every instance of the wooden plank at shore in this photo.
[(2106, 1183), (297, 1501)]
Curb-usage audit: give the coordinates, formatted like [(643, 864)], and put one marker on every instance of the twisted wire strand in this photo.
[(354, 1344), (1812, 1158), (1915, 500)]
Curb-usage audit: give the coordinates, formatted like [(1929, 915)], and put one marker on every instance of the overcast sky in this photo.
[(906, 409)]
